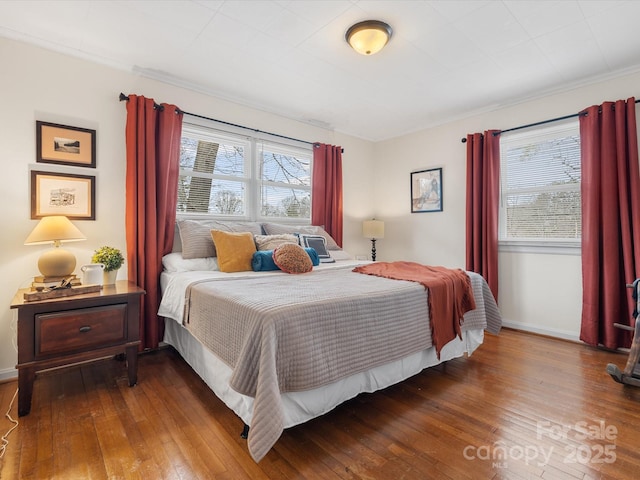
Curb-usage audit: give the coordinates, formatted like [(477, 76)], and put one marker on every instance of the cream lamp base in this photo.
[(57, 262)]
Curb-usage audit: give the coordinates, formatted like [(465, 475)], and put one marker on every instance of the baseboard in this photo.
[(8, 374), (549, 332)]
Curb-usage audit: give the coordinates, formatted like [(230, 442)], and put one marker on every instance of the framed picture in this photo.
[(65, 145), (426, 191), (63, 194)]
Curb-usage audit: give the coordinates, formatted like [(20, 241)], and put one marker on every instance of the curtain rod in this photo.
[(464, 140), (124, 97)]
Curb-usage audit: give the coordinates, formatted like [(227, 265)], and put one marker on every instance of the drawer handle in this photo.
[(85, 329)]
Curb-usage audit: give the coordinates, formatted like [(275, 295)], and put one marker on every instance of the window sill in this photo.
[(540, 247)]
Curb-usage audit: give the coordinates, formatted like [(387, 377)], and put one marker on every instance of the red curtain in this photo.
[(326, 190), (483, 197), (610, 189), (153, 153)]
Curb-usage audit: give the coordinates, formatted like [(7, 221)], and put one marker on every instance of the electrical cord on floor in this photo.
[(5, 437), (4, 440)]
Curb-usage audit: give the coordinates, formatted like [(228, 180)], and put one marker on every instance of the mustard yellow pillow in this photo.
[(235, 250)]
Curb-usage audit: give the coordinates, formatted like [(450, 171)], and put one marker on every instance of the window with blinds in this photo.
[(224, 174), (285, 177), (540, 186)]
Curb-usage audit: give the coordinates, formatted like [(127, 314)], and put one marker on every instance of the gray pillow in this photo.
[(196, 239)]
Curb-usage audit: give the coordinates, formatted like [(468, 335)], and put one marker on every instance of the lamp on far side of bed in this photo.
[(374, 230)]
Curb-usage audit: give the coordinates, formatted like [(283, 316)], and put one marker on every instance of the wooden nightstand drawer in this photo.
[(75, 330), (69, 330)]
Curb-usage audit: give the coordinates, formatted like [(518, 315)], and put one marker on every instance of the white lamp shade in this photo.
[(54, 229), (373, 229)]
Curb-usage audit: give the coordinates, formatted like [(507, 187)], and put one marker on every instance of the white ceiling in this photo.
[(446, 60)]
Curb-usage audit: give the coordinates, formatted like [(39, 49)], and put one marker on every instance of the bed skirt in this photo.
[(300, 407)]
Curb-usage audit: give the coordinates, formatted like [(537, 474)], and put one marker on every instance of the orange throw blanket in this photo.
[(450, 294)]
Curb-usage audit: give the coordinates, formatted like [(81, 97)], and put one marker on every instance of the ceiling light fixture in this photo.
[(368, 37)]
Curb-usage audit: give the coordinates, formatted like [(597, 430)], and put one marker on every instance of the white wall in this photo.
[(41, 85), (537, 292), (541, 293)]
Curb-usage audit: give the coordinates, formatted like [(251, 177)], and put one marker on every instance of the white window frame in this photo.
[(283, 149), (208, 130), (533, 245)]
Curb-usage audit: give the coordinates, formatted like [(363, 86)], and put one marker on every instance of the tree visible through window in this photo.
[(540, 185), (212, 176), (223, 174), (204, 162), (286, 182)]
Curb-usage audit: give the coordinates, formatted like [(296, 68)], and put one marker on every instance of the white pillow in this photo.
[(271, 242), (175, 262)]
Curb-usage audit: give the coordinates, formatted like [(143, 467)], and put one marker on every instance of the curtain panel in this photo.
[(326, 189), (153, 156), (610, 190), (483, 197)]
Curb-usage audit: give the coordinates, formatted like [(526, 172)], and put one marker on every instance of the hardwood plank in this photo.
[(471, 418), (9, 464), (43, 462)]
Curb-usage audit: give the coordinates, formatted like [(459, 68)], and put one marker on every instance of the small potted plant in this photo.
[(112, 260)]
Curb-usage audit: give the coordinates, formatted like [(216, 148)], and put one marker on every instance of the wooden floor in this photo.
[(522, 406)]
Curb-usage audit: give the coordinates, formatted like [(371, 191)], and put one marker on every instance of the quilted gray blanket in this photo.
[(289, 333)]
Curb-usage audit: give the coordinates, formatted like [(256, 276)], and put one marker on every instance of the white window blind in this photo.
[(286, 182), (540, 185), (214, 174)]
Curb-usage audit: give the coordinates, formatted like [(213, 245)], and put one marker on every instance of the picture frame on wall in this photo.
[(426, 190), (65, 145), (66, 194)]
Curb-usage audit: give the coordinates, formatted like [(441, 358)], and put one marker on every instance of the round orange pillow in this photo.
[(292, 258)]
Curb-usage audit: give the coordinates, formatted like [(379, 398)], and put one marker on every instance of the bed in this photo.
[(281, 349)]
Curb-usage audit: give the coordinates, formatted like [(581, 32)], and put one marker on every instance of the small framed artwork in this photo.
[(65, 145), (426, 191), (63, 194)]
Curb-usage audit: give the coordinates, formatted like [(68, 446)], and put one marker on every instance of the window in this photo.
[(225, 174), (540, 187), (285, 177)]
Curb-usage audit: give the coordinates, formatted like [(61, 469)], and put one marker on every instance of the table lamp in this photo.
[(55, 229), (374, 230)]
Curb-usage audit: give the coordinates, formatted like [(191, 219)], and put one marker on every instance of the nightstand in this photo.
[(64, 331)]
